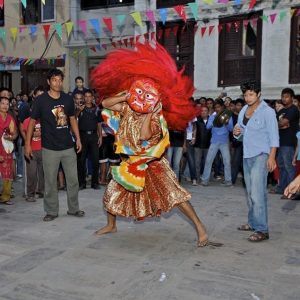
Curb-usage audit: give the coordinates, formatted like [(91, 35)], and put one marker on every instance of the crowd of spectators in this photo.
[(206, 151)]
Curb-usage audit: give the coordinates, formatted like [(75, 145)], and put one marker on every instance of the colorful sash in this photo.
[(132, 170)]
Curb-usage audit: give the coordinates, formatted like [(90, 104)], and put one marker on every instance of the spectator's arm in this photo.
[(30, 128), (74, 126), (210, 121)]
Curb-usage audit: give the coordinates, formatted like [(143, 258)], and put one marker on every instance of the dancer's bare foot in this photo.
[(203, 240), (106, 229)]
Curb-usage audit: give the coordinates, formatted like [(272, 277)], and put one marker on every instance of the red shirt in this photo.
[(36, 141)]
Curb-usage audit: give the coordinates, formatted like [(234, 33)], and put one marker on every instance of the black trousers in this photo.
[(89, 146), (236, 162)]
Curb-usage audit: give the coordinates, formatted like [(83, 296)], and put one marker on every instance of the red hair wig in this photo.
[(122, 67)]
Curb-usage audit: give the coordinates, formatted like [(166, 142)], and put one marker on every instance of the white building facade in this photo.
[(220, 47)]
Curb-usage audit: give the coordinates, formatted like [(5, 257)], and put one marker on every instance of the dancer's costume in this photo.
[(144, 184)]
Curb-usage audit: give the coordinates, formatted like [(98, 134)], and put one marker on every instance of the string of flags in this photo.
[(95, 24), (152, 16), (10, 60)]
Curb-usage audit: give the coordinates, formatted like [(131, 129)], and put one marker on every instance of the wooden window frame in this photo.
[(294, 76), (223, 78)]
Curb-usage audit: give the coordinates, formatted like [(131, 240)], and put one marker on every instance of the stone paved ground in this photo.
[(62, 260)]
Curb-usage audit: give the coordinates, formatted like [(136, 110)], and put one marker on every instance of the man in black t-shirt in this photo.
[(56, 113), (89, 123), (288, 123)]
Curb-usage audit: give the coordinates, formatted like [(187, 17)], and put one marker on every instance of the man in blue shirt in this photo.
[(219, 141), (257, 126)]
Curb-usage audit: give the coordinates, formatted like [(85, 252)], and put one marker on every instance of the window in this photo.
[(295, 50), (94, 4), (171, 3), (36, 12), (240, 49), (2, 16), (178, 38)]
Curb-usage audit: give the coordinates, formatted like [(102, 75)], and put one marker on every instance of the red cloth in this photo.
[(6, 159), (36, 141)]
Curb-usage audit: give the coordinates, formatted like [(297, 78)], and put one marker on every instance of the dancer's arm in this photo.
[(114, 103), (146, 130)]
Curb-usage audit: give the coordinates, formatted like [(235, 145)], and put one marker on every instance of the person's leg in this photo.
[(110, 227), (258, 193), (198, 159), (177, 154), (191, 161), (170, 156), (247, 165), (282, 171), (31, 171), (187, 209), (82, 160), (68, 160), (224, 148), (40, 172), (289, 168), (94, 151), (212, 151), (51, 161)]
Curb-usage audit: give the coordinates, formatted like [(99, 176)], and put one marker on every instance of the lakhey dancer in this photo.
[(144, 95)]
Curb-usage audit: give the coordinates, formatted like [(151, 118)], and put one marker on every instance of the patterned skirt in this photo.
[(161, 193)]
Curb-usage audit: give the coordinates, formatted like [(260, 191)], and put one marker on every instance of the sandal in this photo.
[(258, 237), (245, 227), (78, 213), (7, 202), (49, 218)]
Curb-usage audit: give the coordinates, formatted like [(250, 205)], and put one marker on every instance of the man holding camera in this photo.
[(89, 124)]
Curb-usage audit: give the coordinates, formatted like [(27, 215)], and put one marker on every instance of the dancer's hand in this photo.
[(28, 152)]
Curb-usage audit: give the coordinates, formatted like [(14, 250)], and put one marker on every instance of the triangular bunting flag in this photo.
[(1, 3), (96, 25), (223, 1), (120, 43), (125, 41), (153, 35), (175, 30), (58, 29), (14, 32), (108, 22), (209, 2), (46, 28), (254, 22), (98, 47), (194, 9), (282, 15), (3, 34), (33, 29), (180, 9), (237, 2), (245, 23), (273, 17), (203, 30), (114, 44), (252, 4), (228, 26), (69, 27), (163, 12), (82, 25), (146, 36), (137, 38), (160, 34), (264, 18), (167, 32), (237, 25), (210, 29), (121, 19), (137, 18), (93, 49), (24, 2), (151, 17), (292, 11), (104, 46), (21, 28), (220, 27)]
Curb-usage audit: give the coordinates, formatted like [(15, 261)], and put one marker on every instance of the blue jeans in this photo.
[(287, 170), (191, 159), (255, 176), (200, 157), (174, 155), (212, 152)]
